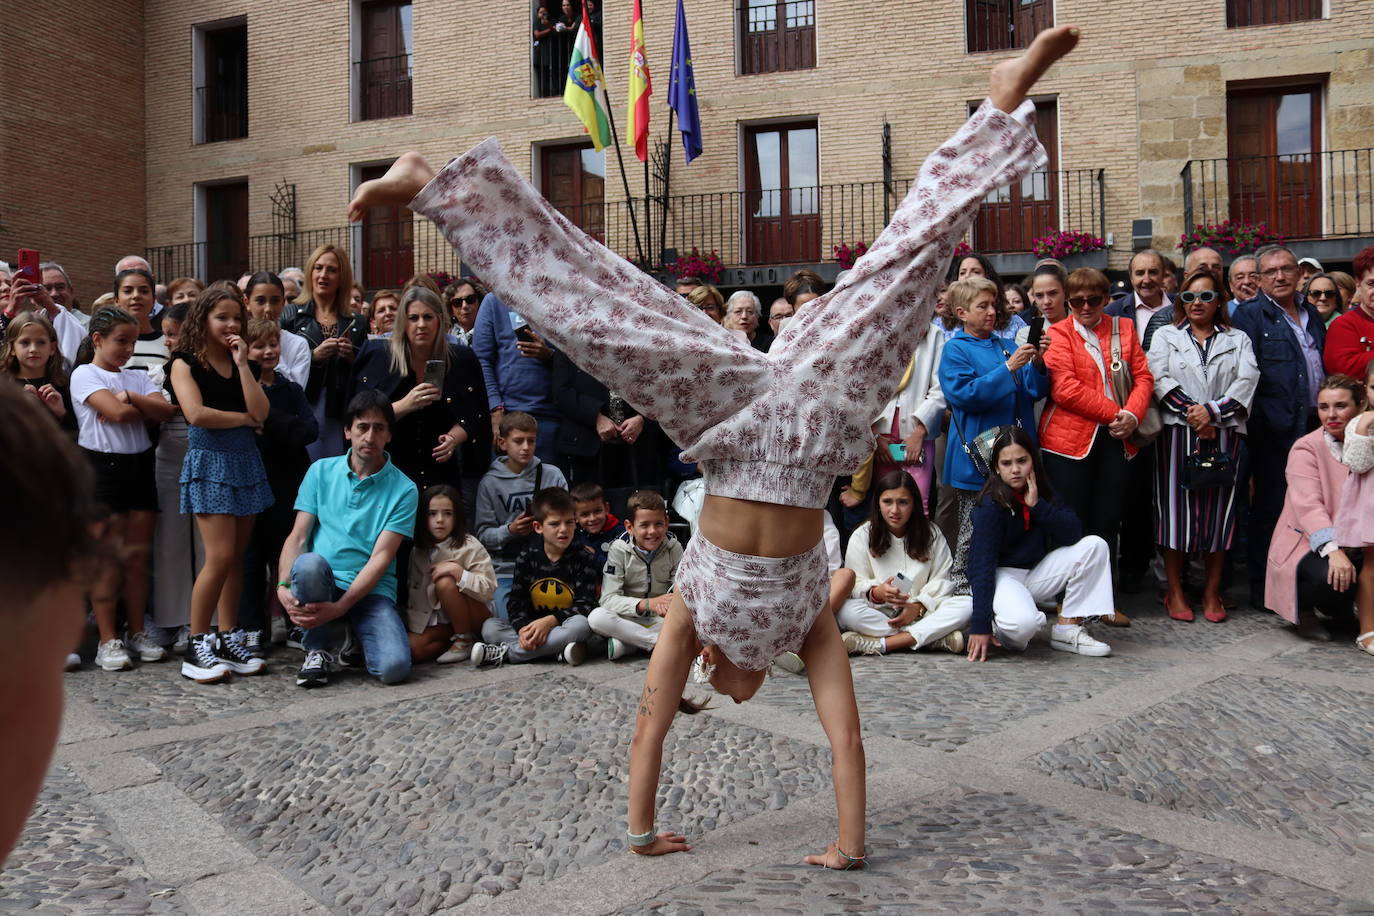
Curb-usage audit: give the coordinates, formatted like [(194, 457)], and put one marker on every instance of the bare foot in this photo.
[(406, 177), (1012, 79)]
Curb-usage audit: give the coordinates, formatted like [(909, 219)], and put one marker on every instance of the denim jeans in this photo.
[(374, 619), (574, 629)]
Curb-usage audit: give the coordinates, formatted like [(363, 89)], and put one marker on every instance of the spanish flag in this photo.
[(585, 92), (641, 87)]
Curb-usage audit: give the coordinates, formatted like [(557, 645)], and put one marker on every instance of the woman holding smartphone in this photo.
[(323, 315), (435, 387)]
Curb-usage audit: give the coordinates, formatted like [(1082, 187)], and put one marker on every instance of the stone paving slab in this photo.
[(70, 860), (423, 803), (1267, 754), (1336, 657), (996, 853), (155, 696), (1151, 626), (943, 701)]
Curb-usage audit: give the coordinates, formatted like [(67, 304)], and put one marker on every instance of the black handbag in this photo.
[(1208, 469)]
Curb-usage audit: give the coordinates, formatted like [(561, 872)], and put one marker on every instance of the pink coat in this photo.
[(1315, 479)]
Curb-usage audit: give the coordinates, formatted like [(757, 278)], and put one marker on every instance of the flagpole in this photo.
[(629, 199), (648, 215), (667, 185)]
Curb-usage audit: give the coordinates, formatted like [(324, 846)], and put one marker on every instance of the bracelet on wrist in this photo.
[(641, 839), (286, 585)]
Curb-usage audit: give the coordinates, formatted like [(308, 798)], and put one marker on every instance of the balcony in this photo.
[(383, 87), (223, 110), (1325, 199)]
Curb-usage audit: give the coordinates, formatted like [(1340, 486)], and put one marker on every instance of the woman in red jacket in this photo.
[(1084, 432), (1350, 339)]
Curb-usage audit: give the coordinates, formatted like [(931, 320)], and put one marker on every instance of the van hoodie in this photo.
[(501, 497)]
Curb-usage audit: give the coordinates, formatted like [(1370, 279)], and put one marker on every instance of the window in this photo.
[(777, 35), (1273, 140), (1011, 218), (1270, 12), (554, 25), (222, 82), (223, 212), (573, 179), (782, 213), (1000, 25), (382, 73), (386, 240)]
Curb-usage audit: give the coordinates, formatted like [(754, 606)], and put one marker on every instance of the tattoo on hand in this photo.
[(645, 699)]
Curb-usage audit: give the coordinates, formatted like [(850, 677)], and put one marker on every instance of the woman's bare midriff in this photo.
[(759, 529)]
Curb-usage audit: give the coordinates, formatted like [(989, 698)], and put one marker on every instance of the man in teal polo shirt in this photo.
[(352, 514)]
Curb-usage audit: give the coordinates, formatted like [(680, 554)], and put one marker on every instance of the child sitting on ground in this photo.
[(597, 526), (553, 590), (503, 522), (451, 580), (637, 578)]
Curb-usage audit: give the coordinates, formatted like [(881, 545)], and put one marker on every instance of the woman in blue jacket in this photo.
[(988, 382)]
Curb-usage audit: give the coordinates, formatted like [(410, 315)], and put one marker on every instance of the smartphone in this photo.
[(434, 373), (1037, 329), (525, 334), (901, 583), (898, 451), (521, 327), (28, 265)]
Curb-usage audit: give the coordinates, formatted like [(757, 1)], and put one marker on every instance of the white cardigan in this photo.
[(921, 397), (931, 580), (1231, 370)]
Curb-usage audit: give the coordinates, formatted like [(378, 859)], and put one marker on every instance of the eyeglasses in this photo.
[(1091, 302), (1321, 294), (1202, 295), (1287, 270), (474, 299)]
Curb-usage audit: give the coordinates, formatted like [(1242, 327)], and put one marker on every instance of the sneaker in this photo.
[(954, 642), (790, 662), (460, 650), (294, 637), (147, 649), (859, 644), (574, 653), (73, 662), (1073, 638), (162, 636), (201, 664), (235, 657), (488, 655), (112, 656), (182, 640), (279, 630), (250, 641), (351, 652), (617, 648), (315, 671)]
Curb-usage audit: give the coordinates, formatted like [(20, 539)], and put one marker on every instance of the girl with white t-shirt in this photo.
[(113, 407), (903, 583)]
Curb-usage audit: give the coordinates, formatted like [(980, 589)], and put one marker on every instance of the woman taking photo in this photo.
[(323, 316), (973, 264), (1205, 376), (1084, 432), (437, 411)]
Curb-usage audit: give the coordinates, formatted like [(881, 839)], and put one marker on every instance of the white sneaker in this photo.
[(73, 662), (460, 650), (112, 656), (183, 639), (790, 662), (574, 653), (954, 642), (859, 644), (200, 663), (1073, 638), (148, 651), (618, 648)]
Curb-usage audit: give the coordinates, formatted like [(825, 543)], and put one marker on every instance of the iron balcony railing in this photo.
[(793, 226), (383, 87), (1300, 196), (223, 111)]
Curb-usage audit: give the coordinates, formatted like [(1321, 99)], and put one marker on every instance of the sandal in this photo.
[(1365, 642)]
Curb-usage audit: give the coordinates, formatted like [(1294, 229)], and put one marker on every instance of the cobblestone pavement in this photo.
[(1202, 768)]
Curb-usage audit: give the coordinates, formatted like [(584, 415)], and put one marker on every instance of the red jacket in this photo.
[(1078, 402), (1350, 344)]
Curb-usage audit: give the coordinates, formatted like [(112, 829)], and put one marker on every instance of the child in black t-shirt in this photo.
[(31, 357)]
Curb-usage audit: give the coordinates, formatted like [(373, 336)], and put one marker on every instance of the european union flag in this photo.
[(682, 91)]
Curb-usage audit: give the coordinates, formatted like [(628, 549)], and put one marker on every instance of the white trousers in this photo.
[(1082, 571), (951, 614), (632, 632)]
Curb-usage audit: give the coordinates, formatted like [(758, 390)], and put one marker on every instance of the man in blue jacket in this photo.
[(1287, 336), (518, 371)]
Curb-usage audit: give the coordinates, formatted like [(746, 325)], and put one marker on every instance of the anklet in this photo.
[(644, 839), (851, 861)]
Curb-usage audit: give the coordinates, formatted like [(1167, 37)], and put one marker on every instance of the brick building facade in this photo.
[(260, 118)]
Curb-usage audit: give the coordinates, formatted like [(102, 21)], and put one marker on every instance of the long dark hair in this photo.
[(105, 320), (423, 538), (195, 338), (916, 541), (145, 274), (996, 489)]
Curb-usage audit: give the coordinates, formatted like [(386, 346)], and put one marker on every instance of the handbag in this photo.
[(1208, 469), (979, 451), (1150, 425)]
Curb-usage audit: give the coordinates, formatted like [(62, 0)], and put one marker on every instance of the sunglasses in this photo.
[(1203, 295), (1321, 294), (1091, 302), (474, 299)]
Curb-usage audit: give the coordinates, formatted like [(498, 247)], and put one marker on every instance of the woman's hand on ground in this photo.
[(978, 644), (664, 843), (832, 858)]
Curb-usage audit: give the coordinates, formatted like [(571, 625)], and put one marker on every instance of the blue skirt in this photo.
[(223, 473)]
